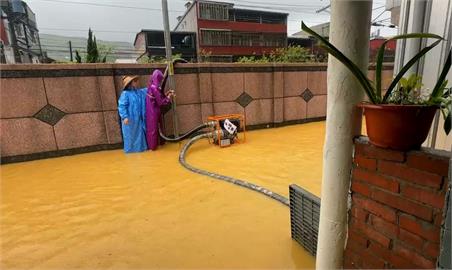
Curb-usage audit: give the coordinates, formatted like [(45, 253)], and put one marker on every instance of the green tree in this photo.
[(92, 52), (92, 55)]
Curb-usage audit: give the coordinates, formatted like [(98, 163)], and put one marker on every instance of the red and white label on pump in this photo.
[(229, 126)]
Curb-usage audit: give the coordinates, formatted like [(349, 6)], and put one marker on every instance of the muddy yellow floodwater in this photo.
[(117, 211)]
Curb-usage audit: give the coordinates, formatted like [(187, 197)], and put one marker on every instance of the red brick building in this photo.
[(226, 33)]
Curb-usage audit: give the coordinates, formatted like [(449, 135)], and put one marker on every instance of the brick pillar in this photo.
[(398, 201)]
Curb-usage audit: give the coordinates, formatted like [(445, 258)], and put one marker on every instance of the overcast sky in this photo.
[(117, 23)]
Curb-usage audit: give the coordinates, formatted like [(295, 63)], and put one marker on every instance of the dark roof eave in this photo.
[(144, 31), (156, 30)]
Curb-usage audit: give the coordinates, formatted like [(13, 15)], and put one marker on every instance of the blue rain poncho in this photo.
[(131, 105)]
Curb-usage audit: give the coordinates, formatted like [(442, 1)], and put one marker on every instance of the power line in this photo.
[(277, 8), (157, 9), (75, 40), (291, 10), (323, 9), (83, 42), (80, 46), (84, 48), (379, 7), (107, 5), (60, 42), (178, 11), (278, 4), (84, 52), (84, 30), (383, 25), (383, 20), (379, 15), (299, 21), (123, 31)]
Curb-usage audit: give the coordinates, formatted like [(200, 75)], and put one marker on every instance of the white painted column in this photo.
[(440, 22), (413, 19), (349, 32)]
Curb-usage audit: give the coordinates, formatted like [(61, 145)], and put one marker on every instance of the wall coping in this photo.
[(364, 140), (78, 70)]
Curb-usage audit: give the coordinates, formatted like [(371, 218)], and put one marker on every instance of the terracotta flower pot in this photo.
[(398, 127)]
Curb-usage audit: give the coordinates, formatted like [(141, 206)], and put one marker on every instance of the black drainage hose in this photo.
[(186, 135), (242, 183)]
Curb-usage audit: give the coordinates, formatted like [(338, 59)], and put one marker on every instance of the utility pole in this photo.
[(171, 82), (70, 50)]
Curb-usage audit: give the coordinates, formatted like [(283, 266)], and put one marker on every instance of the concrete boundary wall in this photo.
[(52, 110)]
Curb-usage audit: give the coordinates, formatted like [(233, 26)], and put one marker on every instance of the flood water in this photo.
[(108, 210)]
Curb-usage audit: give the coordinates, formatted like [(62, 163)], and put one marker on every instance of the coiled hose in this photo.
[(242, 183), (186, 135)]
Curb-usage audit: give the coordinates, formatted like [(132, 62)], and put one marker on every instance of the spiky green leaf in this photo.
[(381, 51), (405, 68), (354, 69), (441, 83)]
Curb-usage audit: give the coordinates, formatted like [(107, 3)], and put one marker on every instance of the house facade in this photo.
[(19, 34), (225, 33)]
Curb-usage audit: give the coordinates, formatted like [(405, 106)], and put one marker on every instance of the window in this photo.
[(215, 37), (246, 39), (32, 37), (247, 16), (187, 42), (274, 19), (20, 31), (240, 15), (213, 11), (274, 40), (258, 39)]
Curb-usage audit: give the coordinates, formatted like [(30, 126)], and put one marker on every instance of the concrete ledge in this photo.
[(436, 152), (60, 153), (78, 70)]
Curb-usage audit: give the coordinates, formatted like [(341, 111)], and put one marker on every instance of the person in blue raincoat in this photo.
[(132, 111)]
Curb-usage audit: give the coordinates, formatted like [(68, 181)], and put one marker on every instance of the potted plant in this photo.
[(401, 117)]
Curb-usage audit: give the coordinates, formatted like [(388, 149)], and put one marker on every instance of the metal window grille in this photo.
[(273, 19), (246, 16), (274, 40), (246, 39), (20, 33), (215, 37), (257, 17), (304, 217), (214, 11)]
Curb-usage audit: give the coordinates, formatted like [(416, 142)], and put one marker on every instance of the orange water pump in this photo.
[(227, 128)]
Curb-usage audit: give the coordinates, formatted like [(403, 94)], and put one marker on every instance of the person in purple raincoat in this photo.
[(154, 100)]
